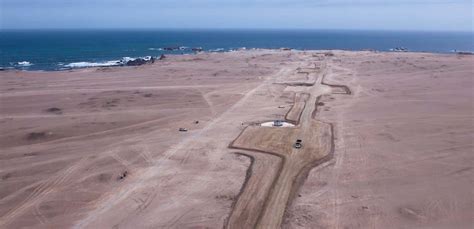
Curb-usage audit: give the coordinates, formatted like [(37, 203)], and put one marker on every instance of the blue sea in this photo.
[(65, 49)]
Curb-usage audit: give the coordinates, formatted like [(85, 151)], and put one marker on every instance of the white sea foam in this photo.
[(24, 63), (217, 50), (127, 59), (93, 64), (111, 63)]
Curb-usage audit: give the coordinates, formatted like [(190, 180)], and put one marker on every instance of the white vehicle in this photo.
[(277, 123)]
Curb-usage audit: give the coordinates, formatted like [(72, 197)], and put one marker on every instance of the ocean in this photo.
[(65, 49)]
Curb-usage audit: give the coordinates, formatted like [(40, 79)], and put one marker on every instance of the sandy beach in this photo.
[(387, 142)]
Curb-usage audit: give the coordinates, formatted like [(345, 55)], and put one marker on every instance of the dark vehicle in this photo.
[(298, 144)]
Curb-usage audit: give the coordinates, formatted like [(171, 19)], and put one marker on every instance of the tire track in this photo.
[(290, 176), (40, 193), (107, 203)]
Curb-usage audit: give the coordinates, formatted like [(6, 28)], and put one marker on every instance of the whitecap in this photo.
[(217, 50), (93, 64), (127, 59), (111, 63), (24, 63)]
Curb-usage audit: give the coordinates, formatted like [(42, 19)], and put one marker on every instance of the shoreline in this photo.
[(121, 63)]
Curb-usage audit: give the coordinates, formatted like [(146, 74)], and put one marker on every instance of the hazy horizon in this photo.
[(391, 15)]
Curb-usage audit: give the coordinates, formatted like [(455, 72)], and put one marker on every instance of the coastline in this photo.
[(121, 63), (53, 50)]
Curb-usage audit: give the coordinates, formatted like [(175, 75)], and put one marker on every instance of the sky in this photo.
[(425, 15)]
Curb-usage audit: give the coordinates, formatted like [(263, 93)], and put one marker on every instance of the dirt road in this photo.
[(100, 147), (317, 138)]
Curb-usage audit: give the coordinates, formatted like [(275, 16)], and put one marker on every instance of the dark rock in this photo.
[(6, 176), (54, 110), (140, 61), (30, 154), (123, 175), (465, 53), (399, 49), (136, 62), (36, 136), (173, 48)]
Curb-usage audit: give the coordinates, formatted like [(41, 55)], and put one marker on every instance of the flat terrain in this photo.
[(387, 143)]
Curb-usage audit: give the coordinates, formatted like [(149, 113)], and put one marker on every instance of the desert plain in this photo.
[(387, 142)]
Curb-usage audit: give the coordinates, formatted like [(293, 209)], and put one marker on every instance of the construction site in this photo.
[(244, 139)]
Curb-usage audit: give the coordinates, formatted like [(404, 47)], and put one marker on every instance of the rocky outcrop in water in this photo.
[(140, 61), (175, 48), (197, 49)]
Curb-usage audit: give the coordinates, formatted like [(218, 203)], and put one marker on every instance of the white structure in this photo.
[(277, 123)]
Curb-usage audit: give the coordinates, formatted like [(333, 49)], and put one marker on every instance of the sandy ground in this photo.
[(100, 148), (404, 145)]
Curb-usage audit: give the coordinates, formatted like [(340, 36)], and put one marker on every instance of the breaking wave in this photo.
[(217, 50), (111, 63), (24, 64), (92, 64)]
